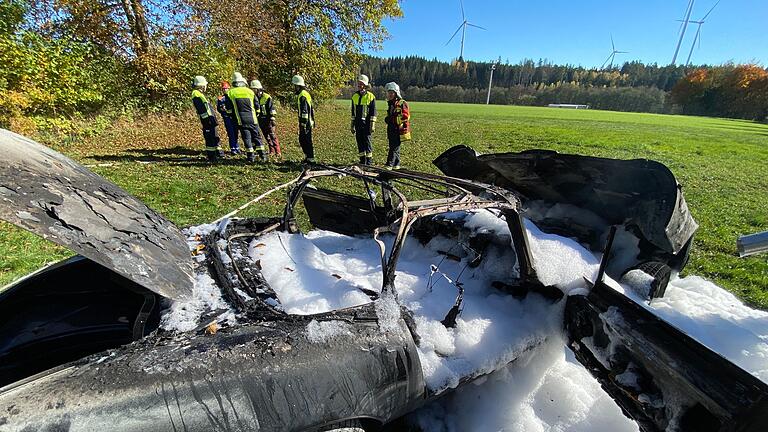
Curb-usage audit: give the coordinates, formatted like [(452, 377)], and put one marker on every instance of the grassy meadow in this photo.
[(722, 165)]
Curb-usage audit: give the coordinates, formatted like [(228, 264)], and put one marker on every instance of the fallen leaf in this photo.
[(260, 245), (289, 269), (212, 328), (199, 248), (336, 276)]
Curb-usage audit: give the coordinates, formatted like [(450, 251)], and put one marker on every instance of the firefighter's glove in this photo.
[(372, 127), (272, 123), (352, 126)]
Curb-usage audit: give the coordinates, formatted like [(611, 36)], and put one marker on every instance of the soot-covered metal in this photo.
[(84, 349)]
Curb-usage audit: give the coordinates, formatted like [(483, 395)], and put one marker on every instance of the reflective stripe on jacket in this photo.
[(202, 106), (364, 107), (244, 105), (267, 106), (399, 118), (306, 112), (224, 106)]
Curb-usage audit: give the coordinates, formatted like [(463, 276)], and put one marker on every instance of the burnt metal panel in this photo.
[(636, 193), (254, 377), (612, 335), (58, 199)]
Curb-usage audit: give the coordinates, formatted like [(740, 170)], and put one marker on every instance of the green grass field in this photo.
[(722, 165)]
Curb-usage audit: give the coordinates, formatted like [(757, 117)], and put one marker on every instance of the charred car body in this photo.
[(81, 348)]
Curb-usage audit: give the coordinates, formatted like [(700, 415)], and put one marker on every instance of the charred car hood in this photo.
[(641, 194), (52, 196)]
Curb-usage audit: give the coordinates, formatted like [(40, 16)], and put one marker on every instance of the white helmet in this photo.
[(392, 86), (363, 79), (297, 80), (256, 85), (199, 81), (237, 79)]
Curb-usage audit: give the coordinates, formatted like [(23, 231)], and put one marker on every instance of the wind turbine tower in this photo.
[(682, 31), (612, 56), (463, 28), (697, 38)]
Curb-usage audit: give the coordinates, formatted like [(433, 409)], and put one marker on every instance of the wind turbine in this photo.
[(698, 32), (463, 28), (612, 55), (684, 26)]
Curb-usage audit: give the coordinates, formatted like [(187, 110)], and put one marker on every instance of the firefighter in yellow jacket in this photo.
[(306, 118), (207, 117), (363, 120), (246, 110)]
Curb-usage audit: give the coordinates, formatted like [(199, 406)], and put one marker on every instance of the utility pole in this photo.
[(490, 81), (682, 33)]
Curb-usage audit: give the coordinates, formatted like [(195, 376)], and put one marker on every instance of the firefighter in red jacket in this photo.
[(398, 122), (363, 119), (207, 117)]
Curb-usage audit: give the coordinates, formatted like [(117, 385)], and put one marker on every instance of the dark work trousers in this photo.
[(212, 141), (269, 136), (230, 125), (364, 144), (252, 141), (305, 140), (393, 158)]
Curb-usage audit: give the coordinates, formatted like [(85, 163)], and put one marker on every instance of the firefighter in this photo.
[(224, 107), (398, 122), (363, 120), (207, 118), (246, 110), (267, 115), (306, 118)]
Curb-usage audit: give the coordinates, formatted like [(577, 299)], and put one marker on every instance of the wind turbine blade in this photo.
[(613, 47), (455, 33), (621, 52), (477, 26), (710, 11), (461, 2)]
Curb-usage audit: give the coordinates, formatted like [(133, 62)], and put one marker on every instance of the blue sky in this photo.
[(578, 31)]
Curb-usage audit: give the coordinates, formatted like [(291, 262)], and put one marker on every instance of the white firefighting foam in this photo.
[(545, 389)]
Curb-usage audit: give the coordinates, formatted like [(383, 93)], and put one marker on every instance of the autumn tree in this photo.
[(322, 40), (725, 91)]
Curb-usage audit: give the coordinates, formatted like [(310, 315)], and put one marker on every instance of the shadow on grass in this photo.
[(188, 157)]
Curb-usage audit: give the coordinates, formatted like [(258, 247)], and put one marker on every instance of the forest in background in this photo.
[(729, 90), (70, 67)]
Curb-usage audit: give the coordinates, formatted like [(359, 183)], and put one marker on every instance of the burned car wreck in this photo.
[(83, 345)]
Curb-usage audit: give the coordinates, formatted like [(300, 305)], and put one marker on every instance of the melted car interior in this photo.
[(68, 311)]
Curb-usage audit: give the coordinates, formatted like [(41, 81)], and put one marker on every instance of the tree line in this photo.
[(420, 72), (725, 90)]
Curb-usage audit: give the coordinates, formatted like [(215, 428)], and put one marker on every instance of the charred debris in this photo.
[(81, 342)]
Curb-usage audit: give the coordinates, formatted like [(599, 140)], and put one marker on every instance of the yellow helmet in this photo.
[(256, 85), (363, 79)]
